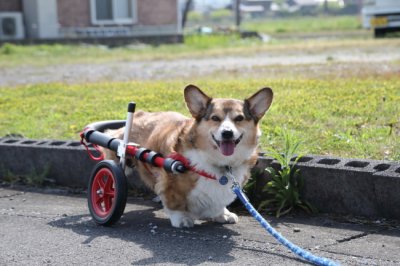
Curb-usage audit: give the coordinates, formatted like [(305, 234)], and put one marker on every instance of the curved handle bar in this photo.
[(93, 133)]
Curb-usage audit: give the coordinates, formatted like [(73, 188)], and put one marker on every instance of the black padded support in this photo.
[(168, 162), (152, 156), (139, 154)]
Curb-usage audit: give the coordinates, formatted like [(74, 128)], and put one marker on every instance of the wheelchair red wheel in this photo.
[(107, 193)]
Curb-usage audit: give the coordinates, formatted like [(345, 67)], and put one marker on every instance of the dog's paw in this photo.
[(179, 219), (227, 217)]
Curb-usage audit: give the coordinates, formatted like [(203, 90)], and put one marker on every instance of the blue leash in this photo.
[(295, 249)]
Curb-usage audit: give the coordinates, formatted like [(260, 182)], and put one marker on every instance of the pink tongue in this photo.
[(227, 147)]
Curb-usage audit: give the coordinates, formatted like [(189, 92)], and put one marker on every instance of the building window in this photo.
[(109, 12)]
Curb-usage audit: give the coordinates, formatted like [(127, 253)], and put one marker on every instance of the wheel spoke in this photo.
[(100, 182), (107, 203), (110, 194), (108, 188), (109, 183), (99, 200)]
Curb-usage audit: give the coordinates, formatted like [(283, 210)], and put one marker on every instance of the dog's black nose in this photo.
[(227, 134)]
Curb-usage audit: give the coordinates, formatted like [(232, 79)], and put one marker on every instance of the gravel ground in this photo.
[(329, 63)]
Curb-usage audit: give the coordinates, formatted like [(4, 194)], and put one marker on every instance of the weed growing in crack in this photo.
[(35, 178), (286, 183)]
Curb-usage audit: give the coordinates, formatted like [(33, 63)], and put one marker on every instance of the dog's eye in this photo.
[(239, 118), (215, 118)]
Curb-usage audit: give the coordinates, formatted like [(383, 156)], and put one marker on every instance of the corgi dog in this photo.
[(221, 134)]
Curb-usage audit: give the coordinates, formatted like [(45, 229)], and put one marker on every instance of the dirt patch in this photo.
[(330, 63)]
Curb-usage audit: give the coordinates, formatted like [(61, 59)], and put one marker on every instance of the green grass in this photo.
[(351, 118), (305, 24), (194, 46), (291, 24)]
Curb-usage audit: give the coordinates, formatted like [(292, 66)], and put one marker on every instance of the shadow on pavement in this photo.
[(206, 242)]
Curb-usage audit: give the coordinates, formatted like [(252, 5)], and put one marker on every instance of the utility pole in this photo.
[(326, 6), (185, 12), (237, 14)]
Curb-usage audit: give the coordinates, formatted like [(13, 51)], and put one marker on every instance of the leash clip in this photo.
[(229, 174)]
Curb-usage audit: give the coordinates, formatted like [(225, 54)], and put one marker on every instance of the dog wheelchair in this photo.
[(108, 186)]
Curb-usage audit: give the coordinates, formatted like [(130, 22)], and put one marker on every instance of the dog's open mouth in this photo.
[(227, 147)]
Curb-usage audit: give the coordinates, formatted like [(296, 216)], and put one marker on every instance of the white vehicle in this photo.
[(382, 16)]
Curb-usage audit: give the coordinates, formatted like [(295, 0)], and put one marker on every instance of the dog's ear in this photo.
[(196, 101), (259, 103)]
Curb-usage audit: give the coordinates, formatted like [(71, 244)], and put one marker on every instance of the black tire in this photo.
[(107, 193)]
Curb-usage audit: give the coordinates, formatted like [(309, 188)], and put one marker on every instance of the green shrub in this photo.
[(7, 49)]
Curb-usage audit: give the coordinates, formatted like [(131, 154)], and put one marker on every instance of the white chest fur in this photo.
[(209, 198)]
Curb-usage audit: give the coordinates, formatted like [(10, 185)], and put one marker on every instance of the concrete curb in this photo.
[(67, 162), (332, 184), (349, 186)]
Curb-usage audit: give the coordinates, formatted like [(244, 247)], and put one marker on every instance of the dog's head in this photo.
[(225, 125)]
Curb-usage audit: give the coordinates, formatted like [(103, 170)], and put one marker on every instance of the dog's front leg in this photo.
[(226, 217), (179, 219)]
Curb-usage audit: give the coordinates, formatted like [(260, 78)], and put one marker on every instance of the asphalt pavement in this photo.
[(53, 227)]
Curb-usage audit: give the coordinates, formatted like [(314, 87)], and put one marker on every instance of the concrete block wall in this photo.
[(352, 186), (334, 185), (67, 161)]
